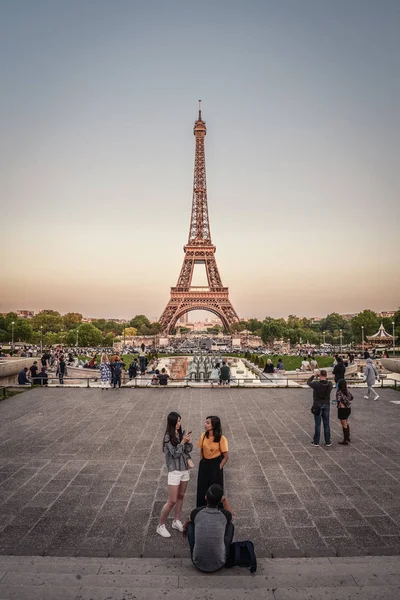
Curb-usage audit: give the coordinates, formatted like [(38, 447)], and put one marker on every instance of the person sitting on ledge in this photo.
[(210, 531), (269, 367), (22, 377), (41, 378), (155, 380), (163, 377), (280, 366)]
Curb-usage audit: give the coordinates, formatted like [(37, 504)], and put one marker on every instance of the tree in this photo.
[(129, 331), (22, 330), (108, 339), (51, 338), (4, 336), (10, 317), (293, 322), (138, 321), (270, 332), (238, 327), (89, 335), (254, 325), (332, 322), (100, 324), (50, 320), (72, 320), (367, 319)]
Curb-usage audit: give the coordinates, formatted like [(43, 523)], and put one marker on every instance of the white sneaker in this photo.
[(163, 531), (376, 397), (366, 397), (177, 525)]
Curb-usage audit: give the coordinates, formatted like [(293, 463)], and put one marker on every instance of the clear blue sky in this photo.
[(301, 100)]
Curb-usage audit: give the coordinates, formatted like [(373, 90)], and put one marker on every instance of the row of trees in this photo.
[(68, 329), (51, 327), (331, 328)]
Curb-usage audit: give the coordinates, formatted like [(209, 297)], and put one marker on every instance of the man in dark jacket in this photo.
[(339, 370), (225, 374), (321, 406), (22, 377), (34, 369)]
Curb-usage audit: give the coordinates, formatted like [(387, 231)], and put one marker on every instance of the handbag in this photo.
[(316, 410)]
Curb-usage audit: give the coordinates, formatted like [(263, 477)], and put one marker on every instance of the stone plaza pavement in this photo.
[(82, 482), (82, 472)]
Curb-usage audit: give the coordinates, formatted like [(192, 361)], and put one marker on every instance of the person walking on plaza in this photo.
[(215, 375), (133, 369), (105, 372), (321, 406), (225, 374), (142, 359), (370, 375), (210, 531), (213, 456), (343, 400), (176, 447), (61, 369), (339, 370), (117, 372)]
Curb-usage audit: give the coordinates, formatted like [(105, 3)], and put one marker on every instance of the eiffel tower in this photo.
[(199, 250)]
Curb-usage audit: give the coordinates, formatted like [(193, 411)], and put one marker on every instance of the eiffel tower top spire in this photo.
[(199, 232)]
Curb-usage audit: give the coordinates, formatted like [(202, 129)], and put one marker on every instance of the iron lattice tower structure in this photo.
[(199, 250)]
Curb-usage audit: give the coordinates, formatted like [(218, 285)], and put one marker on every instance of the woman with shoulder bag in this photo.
[(344, 398), (176, 447), (214, 455)]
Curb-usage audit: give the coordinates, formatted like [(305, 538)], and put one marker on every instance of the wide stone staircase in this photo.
[(323, 578)]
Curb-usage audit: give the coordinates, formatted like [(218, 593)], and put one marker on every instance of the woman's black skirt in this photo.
[(343, 413), (209, 473)]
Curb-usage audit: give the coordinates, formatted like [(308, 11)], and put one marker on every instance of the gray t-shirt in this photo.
[(209, 553)]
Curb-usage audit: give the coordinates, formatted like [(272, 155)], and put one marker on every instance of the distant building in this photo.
[(387, 314), (25, 314)]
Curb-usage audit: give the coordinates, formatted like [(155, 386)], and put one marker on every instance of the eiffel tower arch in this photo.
[(199, 251)]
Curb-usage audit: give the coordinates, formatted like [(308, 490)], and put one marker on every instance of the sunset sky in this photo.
[(302, 104)]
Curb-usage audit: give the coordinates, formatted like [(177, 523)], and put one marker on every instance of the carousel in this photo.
[(382, 338)]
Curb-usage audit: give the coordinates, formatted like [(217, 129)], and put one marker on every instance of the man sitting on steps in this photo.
[(210, 531)]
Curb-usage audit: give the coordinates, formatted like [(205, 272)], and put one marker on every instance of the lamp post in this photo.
[(394, 343), (77, 336), (324, 333), (41, 339), (341, 339), (12, 334), (124, 339), (362, 337)]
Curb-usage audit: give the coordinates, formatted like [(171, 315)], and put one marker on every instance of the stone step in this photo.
[(56, 578)]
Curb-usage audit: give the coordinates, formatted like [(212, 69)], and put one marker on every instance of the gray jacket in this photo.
[(176, 456), (370, 372)]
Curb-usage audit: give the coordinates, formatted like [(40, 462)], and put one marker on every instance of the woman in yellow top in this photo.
[(214, 455)]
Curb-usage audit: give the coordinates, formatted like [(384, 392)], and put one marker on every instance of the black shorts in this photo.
[(343, 413)]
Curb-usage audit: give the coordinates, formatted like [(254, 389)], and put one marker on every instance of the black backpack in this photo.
[(242, 554)]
